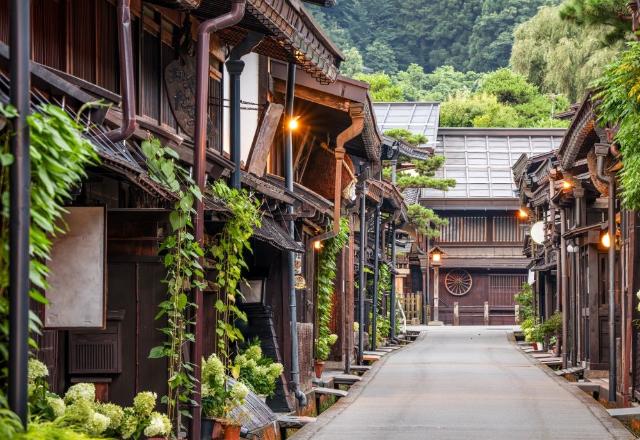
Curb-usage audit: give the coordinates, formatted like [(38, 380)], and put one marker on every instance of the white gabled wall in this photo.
[(249, 93)]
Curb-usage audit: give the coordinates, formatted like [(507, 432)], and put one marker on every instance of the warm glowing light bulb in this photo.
[(522, 213), (436, 258), (317, 245), (605, 240), (293, 124), (566, 184)]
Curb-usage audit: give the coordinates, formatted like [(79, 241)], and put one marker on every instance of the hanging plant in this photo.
[(327, 271), (181, 259), (228, 253), (59, 155)]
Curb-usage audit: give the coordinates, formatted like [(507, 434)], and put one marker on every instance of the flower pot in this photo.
[(319, 366), (219, 429)]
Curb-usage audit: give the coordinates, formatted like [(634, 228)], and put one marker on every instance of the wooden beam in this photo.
[(257, 160), (308, 94)]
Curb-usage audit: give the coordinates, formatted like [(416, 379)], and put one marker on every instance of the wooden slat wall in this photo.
[(502, 289), (464, 229), (507, 230)]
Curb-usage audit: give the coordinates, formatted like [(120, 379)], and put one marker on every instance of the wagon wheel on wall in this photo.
[(458, 282)]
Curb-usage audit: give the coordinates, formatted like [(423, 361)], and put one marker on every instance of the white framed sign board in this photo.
[(77, 280)]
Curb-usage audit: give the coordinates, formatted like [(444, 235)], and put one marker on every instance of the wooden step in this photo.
[(360, 368), (294, 422), (330, 392), (624, 412), (346, 379), (588, 387)]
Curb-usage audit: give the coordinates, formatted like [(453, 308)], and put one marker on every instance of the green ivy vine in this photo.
[(182, 255), (327, 270), (618, 105), (59, 156), (228, 253)]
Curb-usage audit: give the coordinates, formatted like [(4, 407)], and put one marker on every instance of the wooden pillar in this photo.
[(486, 313), (436, 292), (456, 314)]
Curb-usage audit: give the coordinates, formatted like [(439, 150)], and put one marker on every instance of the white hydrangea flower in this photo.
[(144, 402), (57, 405), (36, 370), (159, 425), (98, 424), (81, 391)]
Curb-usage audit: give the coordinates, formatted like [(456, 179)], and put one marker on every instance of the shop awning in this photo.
[(272, 233)]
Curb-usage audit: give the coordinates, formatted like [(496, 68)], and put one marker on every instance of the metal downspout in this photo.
[(376, 278), (362, 288), (564, 287), (392, 294), (601, 151), (199, 164), (127, 76), (288, 178), (19, 214)]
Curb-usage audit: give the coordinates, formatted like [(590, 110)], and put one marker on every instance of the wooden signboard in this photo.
[(77, 293), (257, 161)]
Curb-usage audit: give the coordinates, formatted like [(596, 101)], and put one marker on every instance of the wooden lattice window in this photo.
[(507, 230), (502, 289), (464, 230)]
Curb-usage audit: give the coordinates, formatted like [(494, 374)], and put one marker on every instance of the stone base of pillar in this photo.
[(435, 323)]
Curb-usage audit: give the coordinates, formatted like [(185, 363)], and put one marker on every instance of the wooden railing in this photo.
[(412, 305)]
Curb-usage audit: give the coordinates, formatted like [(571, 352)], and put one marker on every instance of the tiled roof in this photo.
[(480, 159), (417, 117)]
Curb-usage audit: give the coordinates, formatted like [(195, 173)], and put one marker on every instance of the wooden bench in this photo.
[(624, 412), (292, 422)]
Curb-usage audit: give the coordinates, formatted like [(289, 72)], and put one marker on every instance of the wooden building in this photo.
[(482, 266), (76, 60), (591, 245)]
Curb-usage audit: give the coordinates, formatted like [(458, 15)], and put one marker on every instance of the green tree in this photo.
[(422, 175), (380, 57), (352, 64), (382, 87), (546, 47), (446, 81), (613, 13), (508, 87)]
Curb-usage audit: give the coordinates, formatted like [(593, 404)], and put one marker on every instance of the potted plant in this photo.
[(219, 399), (323, 348), (256, 371)]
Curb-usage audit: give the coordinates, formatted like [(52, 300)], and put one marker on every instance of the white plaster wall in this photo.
[(249, 93)]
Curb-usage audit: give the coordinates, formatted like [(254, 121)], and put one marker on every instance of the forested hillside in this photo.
[(472, 35), (492, 63)]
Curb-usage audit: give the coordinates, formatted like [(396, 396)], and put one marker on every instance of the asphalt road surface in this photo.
[(467, 383)]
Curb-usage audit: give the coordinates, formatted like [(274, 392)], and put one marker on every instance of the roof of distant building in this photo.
[(480, 159), (417, 117)]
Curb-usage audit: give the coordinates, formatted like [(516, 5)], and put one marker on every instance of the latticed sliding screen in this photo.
[(507, 230), (502, 289), (464, 229)]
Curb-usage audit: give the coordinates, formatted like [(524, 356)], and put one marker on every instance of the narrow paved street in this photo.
[(467, 383)]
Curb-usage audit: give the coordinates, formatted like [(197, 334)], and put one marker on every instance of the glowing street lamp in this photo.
[(523, 214), (436, 256), (567, 185), (605, 239), (293, 124)]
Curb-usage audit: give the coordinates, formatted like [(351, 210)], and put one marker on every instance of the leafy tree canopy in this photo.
[(546, 47), (613, 13), (466, 34)]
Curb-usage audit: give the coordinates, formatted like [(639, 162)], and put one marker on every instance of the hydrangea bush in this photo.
[(259, 373), (218, 399), (79, 412)]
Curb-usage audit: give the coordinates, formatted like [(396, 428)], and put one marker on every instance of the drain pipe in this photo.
[(362, 288), (199, 163), (357, 125), (564, 280), (392, 294), (601, 151), (376, 277), (19, 218), (288, 179), (127, 80)]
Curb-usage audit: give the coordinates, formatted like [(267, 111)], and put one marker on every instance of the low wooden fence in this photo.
[(412, 305)]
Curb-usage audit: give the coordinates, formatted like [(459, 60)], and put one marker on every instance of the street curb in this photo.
[(336, 409), (613, 426)]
